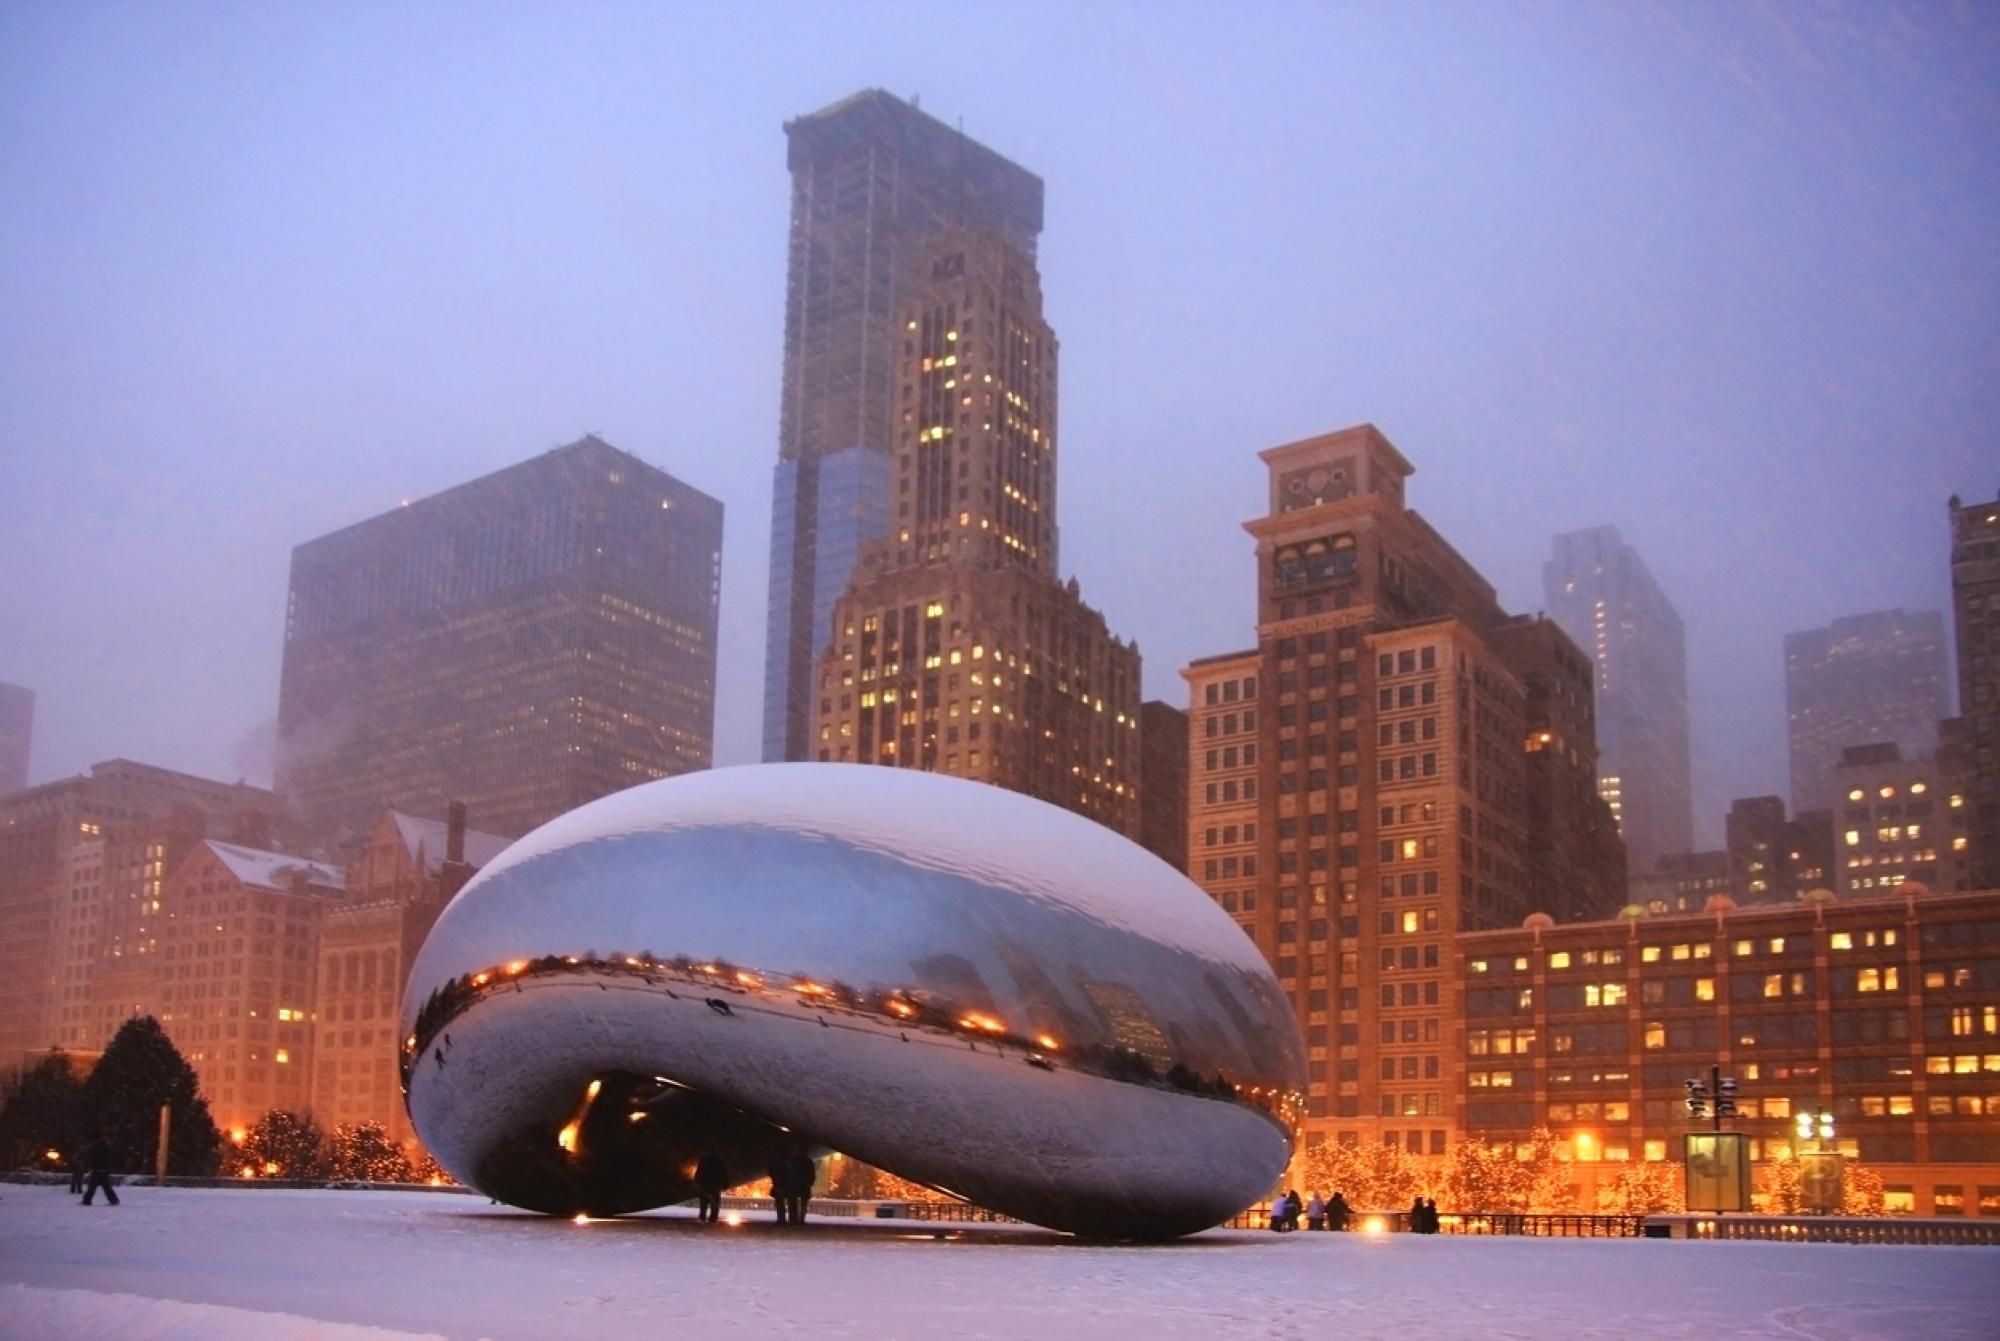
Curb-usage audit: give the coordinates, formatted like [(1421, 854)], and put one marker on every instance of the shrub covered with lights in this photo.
[(281, 1144), (364, 1152)]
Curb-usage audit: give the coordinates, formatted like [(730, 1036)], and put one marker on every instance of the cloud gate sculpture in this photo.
[(971, 989)]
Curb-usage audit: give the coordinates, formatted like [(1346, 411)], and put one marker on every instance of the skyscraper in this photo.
[(1396, 760), (1862, 680), (523, 643), (873, 181), (17, 728), (1601, 592), (1972, 762), (955, 648)]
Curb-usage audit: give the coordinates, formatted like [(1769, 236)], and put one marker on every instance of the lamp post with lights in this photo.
[(1718, 1161), (1821, 1181)]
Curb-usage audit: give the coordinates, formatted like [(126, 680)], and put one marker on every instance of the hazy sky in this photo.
[(1724, 275)]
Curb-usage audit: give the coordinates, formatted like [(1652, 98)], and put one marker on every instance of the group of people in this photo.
[(791, 1173), (1330, 1214), (1335, 1214)]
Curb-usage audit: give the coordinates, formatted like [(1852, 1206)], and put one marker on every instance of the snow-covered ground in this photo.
[(383, 1266)]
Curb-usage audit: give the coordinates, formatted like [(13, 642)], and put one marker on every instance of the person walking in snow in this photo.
[(100, 1172)]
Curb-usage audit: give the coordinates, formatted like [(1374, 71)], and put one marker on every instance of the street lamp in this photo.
[(1811, 1125)]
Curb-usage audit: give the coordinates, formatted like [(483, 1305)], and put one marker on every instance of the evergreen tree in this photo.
[(364, 1152), (38, 1106), (141, 1069), (282, 1145)]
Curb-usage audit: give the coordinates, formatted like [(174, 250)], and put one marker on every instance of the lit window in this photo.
[(1842, 940), (1560, 959), (1704, 989), (284, 1055)]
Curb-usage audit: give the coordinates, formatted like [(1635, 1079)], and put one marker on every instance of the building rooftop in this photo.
[(425, 839), (273, 870)]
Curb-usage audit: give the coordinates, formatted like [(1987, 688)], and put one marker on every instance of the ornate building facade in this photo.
[(955, 649), (1395, 761)]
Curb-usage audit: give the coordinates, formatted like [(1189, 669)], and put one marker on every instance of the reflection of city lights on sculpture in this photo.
[(670, 933)]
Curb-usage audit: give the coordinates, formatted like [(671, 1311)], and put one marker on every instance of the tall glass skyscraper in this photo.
[(523, 643), (1598, 588), (873, 178)]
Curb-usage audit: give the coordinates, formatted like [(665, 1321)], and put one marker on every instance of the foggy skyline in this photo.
[(1722, 279)]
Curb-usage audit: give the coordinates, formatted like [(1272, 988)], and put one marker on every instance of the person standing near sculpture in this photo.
[(710, 1177), (781, 1173), (1315, 1213), (804, 1171)]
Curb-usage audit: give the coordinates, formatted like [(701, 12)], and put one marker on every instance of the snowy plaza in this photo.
[(341, 1266)]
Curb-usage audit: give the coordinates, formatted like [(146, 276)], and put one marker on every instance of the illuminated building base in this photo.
[(968, 988)]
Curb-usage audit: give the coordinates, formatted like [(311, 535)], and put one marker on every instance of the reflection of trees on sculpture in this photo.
[(905, 1009)]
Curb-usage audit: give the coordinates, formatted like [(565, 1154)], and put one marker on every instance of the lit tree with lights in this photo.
[(1499, 1176), (1779, 1186), (1372, 1177), (365, 1152), (281, 1144), (1861, 1191), (425, 1169), (1644, 1188)]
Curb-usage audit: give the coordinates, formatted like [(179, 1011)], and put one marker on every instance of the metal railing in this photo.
[(1940, 1231), (1544, 1226)]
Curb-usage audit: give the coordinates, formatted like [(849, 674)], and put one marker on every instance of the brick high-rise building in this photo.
[(874, 180), (1972, 739), (17, 729), (1862, 679), (82, 861), (1601, 592), (396, 884), (526, 642), (1364, 781), (955, 649), (233, 979)]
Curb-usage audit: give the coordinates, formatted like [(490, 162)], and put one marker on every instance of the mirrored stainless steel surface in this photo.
[(969, 988)]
